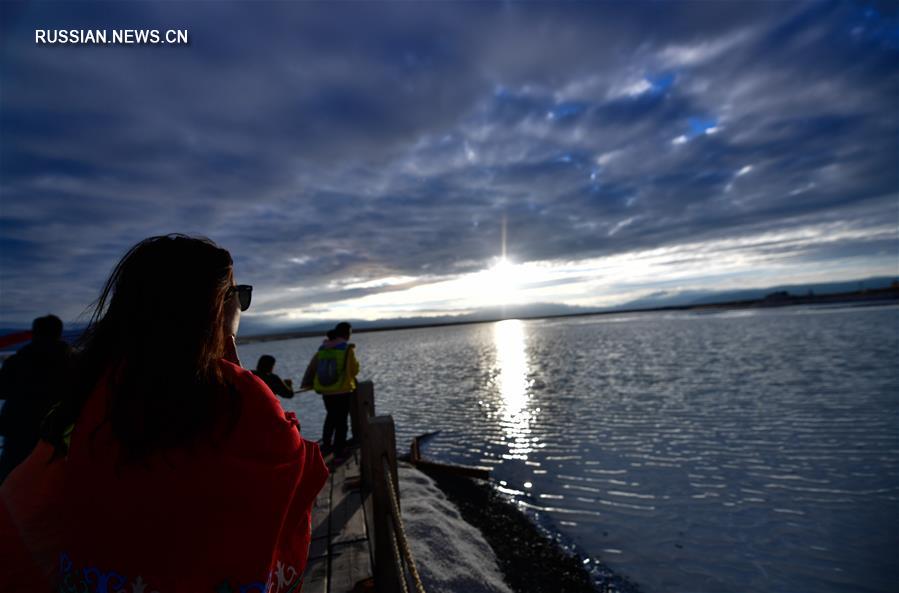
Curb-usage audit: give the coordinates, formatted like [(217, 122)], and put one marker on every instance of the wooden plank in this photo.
[(318, 547), (320, 509), (315, 579), (347, 518), (350, 563), (348, 469), (321, 518), (367, 510), (480, 473), (352, 471)]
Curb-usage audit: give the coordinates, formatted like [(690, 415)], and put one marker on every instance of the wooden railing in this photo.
[(394, 567)]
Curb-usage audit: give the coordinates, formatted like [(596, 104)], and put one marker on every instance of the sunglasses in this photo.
[(244, 295)]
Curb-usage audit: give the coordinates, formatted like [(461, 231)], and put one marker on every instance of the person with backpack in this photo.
[(332, 374)]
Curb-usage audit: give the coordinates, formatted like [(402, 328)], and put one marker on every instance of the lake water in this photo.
[(737, 451)]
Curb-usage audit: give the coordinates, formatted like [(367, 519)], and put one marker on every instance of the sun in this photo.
[(504, 271), (502, 282)]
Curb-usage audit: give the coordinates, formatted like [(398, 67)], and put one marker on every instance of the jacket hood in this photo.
[(333, 343)]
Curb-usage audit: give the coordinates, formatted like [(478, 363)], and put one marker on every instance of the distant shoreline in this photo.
[(777, 299)]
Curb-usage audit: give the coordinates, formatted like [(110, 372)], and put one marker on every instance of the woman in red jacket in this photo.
[(166, 467)]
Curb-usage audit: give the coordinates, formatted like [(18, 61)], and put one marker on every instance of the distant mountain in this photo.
[(655, 300), (250, 329), (668, 298), (699, 297)]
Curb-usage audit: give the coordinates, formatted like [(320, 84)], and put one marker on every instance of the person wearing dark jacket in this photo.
[(31, 381), (265, 370)]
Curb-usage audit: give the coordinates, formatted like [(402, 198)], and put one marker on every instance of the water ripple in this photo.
[(753, 452)]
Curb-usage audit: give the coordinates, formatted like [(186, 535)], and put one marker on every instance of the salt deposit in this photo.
[(451, 555)]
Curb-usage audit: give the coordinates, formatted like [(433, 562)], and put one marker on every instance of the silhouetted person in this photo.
[(166, 465), (31, 381), (264, 370), (332, 373)]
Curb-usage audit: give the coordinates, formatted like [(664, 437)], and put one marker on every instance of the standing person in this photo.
[(31, 381), (265, 368), (166, 467), (332, 373)]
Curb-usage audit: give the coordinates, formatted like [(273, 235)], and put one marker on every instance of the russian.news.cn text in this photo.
[(111, 37)]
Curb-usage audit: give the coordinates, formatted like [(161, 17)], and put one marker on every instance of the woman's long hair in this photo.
[(155, 336)]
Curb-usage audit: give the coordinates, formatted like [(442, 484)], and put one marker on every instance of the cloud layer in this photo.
[(353, 157)]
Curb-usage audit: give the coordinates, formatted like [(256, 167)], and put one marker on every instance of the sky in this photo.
[(378, 160)]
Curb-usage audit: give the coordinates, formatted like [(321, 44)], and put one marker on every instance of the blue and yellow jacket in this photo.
[(333, 369)]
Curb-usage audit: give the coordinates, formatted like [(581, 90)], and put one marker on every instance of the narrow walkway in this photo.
[(340, 555)]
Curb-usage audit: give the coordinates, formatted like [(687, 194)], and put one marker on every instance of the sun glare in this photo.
[(503, 282)]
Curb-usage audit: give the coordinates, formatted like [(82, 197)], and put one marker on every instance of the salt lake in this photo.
[(745, 451)]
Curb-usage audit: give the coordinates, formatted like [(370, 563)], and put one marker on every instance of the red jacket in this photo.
[(232, 517)]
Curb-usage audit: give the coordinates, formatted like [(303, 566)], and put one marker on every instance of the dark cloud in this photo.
[(327, 141)]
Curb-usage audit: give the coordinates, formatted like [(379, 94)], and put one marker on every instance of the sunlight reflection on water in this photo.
[(688, 451), (511, 381)]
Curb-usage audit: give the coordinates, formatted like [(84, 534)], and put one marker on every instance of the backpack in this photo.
[(329, 369)]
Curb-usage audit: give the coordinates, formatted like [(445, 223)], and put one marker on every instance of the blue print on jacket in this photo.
[(91, 579)]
